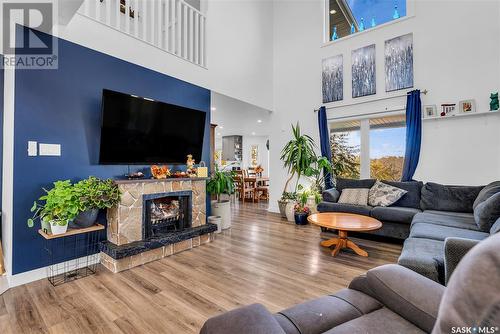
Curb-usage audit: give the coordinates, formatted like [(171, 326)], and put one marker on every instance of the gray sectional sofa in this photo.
[(389, 299), (438, 222)]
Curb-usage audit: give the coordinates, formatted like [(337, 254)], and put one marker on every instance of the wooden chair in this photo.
[(248, 188), (261, 192)]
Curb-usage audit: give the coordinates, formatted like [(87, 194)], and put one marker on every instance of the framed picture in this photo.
[(448, 109), (467, 106), (430, 111), (399, 63), (333, 79), (363, 71)]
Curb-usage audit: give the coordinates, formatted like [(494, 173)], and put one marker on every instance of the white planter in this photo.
[(311, 204), (290, 214), (222, 209), (217, 220), (58, 229)]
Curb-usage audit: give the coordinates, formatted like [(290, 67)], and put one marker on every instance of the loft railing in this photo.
[(171, 25)]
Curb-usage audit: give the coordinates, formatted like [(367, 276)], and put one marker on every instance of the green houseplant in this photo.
[(56, 208), (94, 194), (283, 201), (221, 182)]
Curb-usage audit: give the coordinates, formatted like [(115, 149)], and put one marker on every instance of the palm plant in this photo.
[(298, 155)]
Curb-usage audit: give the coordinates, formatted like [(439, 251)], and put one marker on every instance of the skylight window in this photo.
[(347, 17)]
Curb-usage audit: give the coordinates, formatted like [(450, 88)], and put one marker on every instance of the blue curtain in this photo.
[(324, 140), (413, 134)]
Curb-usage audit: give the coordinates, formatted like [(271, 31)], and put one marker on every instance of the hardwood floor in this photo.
[(262, 259)]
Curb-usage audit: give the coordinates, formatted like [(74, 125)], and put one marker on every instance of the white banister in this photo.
[(171, 25)]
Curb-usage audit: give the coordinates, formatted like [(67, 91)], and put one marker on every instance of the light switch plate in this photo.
[(32, 149), (50, 150)]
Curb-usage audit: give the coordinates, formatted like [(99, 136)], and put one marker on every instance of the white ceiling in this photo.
[(235, 117)]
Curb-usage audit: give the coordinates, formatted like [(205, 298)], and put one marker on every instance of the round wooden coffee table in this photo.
[(344, 222)]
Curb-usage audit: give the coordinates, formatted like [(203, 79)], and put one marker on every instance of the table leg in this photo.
[(341, 242)]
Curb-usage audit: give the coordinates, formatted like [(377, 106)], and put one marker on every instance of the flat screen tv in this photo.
[(137, 130)]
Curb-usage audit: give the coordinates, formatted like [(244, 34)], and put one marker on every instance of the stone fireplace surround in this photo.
[(126, 248)]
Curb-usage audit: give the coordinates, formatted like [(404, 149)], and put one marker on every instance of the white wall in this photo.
[(239, 54), (263, 153), (456, 56)]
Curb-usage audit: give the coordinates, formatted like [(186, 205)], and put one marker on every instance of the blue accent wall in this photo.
[(63, 107)]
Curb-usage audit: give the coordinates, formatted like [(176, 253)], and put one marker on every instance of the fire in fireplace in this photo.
[(166, 212)]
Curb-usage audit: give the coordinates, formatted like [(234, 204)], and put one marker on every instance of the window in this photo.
[(346, 17), (369, 147), (387, 147), (345, 141)]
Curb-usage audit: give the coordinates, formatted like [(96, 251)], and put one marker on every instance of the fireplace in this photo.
[(166, 213)]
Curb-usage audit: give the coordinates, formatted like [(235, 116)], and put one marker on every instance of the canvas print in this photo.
[(363, 71), (333, 79), (399, 63)]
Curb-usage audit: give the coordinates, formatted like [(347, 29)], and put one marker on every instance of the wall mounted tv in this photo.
[(137, 130)]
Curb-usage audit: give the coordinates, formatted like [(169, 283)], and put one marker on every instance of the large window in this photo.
[(346, 17), (369, 147)]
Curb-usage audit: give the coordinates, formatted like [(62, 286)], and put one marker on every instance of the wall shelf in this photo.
[(472, 114)]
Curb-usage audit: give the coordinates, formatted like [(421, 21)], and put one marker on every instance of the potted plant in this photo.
[(221, 182), (301, 210), (94, 194), (297, 155), (283, 201), (58, 207)]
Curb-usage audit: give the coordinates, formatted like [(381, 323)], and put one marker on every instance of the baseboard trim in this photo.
[(41, 273)]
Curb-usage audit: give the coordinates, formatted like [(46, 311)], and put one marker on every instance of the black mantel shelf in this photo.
[(172, 179)]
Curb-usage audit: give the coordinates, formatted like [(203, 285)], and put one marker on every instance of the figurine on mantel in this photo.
[(191, 170), (494, 101)]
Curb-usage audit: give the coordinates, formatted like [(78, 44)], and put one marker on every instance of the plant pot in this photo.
[(46, 227), (217, 220), (289, 211), (222, 209), (85, 219), (282, 207), (311, 204), (58, 229), (301, 218)]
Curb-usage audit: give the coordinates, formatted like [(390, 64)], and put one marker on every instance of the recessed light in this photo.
[(253, 133), (221, 127), (333, 11), (213, 109), (259, 121)]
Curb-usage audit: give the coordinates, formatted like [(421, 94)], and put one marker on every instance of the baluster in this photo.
[(185, 31), (143, 15), (136, 18), (98, 5), (127, 17), (166, 24), (86, 7), (152, 20), (202, 39), (196, 37), (117, 15), (172, 26), (191, 34), (108, 12), (159, 24), (179, 29)]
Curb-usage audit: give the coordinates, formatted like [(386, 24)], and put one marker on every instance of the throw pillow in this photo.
[(487, 212), (354, 196), (487, 192), (382, 194)]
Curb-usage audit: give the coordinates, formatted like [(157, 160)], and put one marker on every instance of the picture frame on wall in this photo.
[(467, 106), (430, 111)]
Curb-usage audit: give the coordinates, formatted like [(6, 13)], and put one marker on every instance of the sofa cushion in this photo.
[(487, 192), (487, 212), (331, 195), (412, 198), (465, 222), (440, 232), (381, 321), (424, 256), (338, 207), (448, 198), (453, 214), (321, 314), (394, 214), (355, 196), (382, 194), (496, 227), (341, 184)]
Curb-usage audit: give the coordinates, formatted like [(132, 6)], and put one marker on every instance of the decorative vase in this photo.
[(289, 211), (301, 218), (222, 209), (58, 229), (217, 220), (311, 204), (85, 219), (282, 207)]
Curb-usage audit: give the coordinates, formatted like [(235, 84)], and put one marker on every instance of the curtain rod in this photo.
[(425, 91)]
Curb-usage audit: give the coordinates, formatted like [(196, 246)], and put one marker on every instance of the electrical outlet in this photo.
[(32, 149), (53, 150)]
